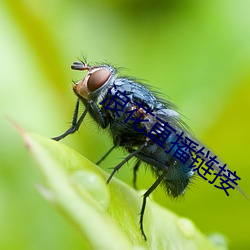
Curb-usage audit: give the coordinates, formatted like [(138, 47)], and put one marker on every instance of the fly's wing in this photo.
[(173, 118), (166, 115), (216, 166)]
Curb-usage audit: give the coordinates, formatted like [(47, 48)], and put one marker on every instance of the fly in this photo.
[(148, 127)]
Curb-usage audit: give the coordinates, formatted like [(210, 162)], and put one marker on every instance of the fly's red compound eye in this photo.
[(97, 79)]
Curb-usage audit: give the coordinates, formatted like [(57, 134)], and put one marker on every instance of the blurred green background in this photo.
[(195, 52)]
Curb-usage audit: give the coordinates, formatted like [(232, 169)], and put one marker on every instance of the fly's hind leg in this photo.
[(104, 157), (135, 169), (145, 196)]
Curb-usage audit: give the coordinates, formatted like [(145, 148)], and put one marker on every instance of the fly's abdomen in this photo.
[(164, 160)]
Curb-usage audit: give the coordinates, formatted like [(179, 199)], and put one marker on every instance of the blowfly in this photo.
[(149, 128)]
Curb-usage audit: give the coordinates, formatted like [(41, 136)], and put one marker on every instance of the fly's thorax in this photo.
[(95, 84)]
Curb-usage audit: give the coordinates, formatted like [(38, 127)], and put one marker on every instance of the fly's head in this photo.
[(96, 81)]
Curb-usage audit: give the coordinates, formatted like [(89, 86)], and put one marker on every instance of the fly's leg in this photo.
[(105, 155), (135, 169), (75, 124), (145, 196), (124, 161)]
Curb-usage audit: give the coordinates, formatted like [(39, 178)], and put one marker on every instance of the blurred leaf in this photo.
[(106, 216)]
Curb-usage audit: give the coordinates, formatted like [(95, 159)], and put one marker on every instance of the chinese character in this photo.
[(200, 151), (181, 155), (211, 162), (160, 132), (200, 163), (175, 143), (187, 145), (119, 99), (225, 182), (137, 114)]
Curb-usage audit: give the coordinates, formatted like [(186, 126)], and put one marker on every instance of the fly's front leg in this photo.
[(75, 123)]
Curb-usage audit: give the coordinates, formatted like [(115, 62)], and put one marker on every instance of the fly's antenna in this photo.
[(80, 66)]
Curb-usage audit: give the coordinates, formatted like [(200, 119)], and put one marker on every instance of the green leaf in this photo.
[(107, 215)]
